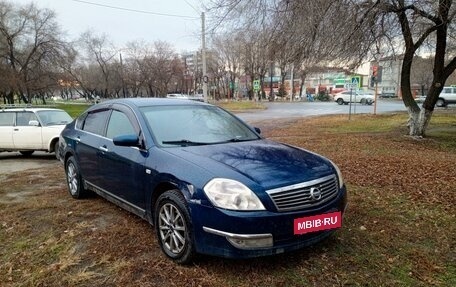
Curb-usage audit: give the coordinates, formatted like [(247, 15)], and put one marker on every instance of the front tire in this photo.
[(56, 150), (440, 103), (74, 179), (173, 227), (340, 101)]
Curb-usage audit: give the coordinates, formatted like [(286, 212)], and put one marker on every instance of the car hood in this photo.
[(267, 163)]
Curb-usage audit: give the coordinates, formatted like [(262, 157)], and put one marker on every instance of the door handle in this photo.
[(16, 130), (103, 148)]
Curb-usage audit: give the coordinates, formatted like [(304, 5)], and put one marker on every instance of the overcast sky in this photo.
[(177, 22)]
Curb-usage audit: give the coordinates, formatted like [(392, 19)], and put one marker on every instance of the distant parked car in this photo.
[(446, 97), (29, 129), (207, 181), (177, 96), (195, 97), (363, 97), (420, 99)]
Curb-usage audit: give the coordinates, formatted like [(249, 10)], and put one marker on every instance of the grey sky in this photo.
[(122, 26)]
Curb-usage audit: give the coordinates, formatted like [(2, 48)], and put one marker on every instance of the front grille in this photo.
[(299, 196)]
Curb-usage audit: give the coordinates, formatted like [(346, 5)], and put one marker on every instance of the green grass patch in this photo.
[(368, 123), (74, 110), (239, 106)]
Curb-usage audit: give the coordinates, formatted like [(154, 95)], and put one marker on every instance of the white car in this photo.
[(363, 97), (447, 96), (29, 129)]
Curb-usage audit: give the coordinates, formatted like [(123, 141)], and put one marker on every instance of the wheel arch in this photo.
[(52, 144), (161, 188)]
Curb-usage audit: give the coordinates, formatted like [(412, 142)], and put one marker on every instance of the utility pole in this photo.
[(292, 82), (203, 55)]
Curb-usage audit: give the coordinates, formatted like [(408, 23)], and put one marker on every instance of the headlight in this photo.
[(231, 194), (339, 175)]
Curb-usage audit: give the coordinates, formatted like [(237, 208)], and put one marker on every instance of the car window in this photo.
[(198, 124), (447, 90), (23, 118), (6, 119), (54, 117), (119, 124), (95, 122)]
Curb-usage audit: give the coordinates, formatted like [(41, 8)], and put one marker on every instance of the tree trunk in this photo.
[(419, 121)]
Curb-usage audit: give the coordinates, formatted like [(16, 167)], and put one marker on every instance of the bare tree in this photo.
[(421, 24), (30, 46), (229, 48), (101, 52)]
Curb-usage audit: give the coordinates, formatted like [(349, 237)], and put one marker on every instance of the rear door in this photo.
[(6, 129), (87, 144)]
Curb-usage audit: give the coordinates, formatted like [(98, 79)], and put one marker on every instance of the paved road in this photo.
[(280, 110)]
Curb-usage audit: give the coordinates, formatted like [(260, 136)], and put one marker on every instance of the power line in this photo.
[(135, 10), (193, 7)]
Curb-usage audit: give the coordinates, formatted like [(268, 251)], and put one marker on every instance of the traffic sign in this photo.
[(256, 85), (356, 81)]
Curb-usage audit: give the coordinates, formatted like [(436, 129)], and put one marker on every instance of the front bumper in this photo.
[(236, 234)]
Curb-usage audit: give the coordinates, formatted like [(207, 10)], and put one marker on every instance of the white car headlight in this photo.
[(339, 175), (231, 194)]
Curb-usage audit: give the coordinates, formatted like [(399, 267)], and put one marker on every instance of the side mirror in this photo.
[(126, 140), (34, 123), (257, 130)]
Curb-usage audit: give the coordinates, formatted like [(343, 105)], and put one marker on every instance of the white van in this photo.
[(447, 96)]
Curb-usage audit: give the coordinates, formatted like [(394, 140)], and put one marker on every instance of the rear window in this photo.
[(95, 122), (6, 119)]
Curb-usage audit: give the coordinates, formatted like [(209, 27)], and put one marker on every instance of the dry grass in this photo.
[(399, 230)]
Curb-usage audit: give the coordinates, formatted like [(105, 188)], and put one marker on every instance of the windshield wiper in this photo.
[(184, 142), (233, 140)]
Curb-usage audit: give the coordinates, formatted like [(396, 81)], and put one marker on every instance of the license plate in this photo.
[(317, 222)]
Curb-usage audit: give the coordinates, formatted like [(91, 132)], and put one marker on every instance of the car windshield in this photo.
[(185, 125), (54, 117)]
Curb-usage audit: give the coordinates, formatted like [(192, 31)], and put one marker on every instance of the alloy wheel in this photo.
[(72, 176), (171, 225)]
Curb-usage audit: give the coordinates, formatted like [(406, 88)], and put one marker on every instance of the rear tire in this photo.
[(74, 179), (173, 227)]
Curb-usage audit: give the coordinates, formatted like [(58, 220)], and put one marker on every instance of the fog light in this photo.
[(243, 243)]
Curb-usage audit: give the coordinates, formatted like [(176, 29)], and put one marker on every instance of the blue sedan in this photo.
[(206, 181)]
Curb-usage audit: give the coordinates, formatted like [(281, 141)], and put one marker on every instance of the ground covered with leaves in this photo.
[(399, 230)]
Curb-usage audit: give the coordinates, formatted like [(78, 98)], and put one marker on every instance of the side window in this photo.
[(6, 119), (95, 122), (23, 118), (119, 124), (447, 90), (80, 121)]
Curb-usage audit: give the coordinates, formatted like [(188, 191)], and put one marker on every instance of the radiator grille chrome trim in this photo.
[(298, 196)]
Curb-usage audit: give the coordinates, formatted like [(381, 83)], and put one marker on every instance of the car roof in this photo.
[(146, 102), (28, 109)]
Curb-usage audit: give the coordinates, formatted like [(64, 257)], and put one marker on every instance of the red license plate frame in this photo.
[(316, 223)]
